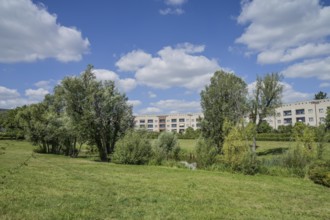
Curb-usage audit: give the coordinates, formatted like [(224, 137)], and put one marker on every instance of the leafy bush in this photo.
[(319, 173), (237, 152), (206, 152), (296, 159), (165, 147), (133, 148), (249, 164), (264, 127)]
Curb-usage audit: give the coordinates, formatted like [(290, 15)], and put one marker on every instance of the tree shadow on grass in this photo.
[(273, 151)]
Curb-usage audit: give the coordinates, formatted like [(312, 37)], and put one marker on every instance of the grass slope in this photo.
[(57, 187)]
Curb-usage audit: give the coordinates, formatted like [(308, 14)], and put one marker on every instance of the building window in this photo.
[(181, 131), (322, 120), (155, 126), (173, 125), (161, 120), (321, 110), (142, 121), (310, 111), (168, 120), (279, 122), (287, 121), (311, 119), (142, 126), (155, 121), (278, 114), (192, 120), (181, 125), (187, 119), (300, 111), (300, 119), (173, 120), (181, 120), (287, 113), (198, 125), (150, 126), (162, 125), (150, 121), (168, 126)]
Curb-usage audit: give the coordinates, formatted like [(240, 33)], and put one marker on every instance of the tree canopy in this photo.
[(81, 110), (224, 99), (320, 95)]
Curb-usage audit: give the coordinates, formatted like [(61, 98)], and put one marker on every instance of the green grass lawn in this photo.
[(58, 187)]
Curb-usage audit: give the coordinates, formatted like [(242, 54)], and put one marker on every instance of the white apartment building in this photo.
[(310, 112), (168, 122)]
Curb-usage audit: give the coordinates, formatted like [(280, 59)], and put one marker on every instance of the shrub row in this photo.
[(274, 137), (10, 136)]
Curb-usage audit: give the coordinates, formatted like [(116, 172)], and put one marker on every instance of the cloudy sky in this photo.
[(162, 53)]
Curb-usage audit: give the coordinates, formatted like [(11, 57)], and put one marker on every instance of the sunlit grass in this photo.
[(58, 187)]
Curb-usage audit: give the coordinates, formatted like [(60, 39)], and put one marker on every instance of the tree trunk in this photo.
[(103, 154), (254, 144), (102, 151)]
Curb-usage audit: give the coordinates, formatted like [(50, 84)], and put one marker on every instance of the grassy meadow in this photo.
[(40, 186)]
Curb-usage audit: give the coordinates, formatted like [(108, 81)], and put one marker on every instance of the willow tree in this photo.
[(223, 100), (99, 112), (266, 98)]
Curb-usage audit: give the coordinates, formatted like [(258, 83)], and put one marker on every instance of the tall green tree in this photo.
[(224, 99), (98, 111), (320, 95), (10, 125), (327, 119), (266, 97)]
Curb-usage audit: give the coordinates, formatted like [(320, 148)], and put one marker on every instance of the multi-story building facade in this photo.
[(168, 122), (309, 112)]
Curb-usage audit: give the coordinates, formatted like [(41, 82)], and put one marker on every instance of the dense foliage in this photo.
[(319, 172), (133, 148), (166, 147), (81, 110), (320, 95), (224, 99), (206, 152)]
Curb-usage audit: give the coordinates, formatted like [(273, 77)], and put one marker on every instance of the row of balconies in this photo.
[(298, 112)]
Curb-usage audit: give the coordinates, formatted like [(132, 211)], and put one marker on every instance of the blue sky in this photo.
[(161, 53)]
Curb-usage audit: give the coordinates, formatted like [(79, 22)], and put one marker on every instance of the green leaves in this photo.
[(224, 99)]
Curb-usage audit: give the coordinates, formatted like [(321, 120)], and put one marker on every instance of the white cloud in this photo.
[(133, 60), (150, 110), (10, 98), (124, 85), (324, 85), (284, 31), (319, 68), (13, 103), (289, 94), (29, 32), (134, 103), (175, 2), (175, 105), (45, 84), (171, 11), (305, 51), (178, 66), (152, 95), (6, 93), (36, 94)]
